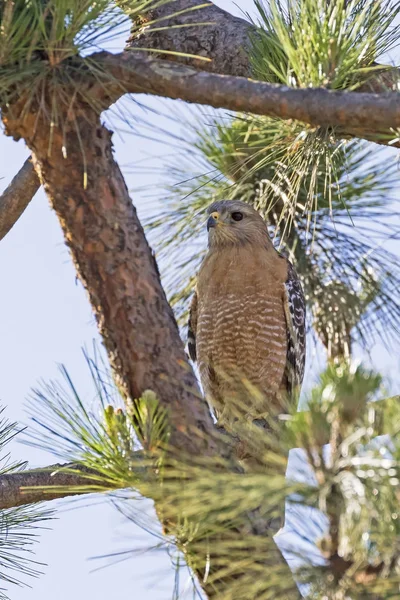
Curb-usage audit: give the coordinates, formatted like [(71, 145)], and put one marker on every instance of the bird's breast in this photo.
[(241, 329)]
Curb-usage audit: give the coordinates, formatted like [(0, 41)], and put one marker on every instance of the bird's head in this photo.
[(231, 223)]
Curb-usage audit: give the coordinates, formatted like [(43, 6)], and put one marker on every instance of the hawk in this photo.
[(247, 317)]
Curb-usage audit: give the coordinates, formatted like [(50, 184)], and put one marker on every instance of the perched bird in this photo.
[(247, 317)]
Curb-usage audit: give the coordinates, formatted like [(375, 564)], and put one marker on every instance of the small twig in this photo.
[(17, 196)]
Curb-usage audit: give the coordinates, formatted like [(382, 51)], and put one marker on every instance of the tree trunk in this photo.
[(115, 264), (110, 252)]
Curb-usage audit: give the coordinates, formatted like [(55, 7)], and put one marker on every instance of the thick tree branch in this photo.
[(17, 196), (48, 483), (365, 115), (225, 39)]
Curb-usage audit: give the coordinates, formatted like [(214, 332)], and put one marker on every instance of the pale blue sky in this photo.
[(46, 319)]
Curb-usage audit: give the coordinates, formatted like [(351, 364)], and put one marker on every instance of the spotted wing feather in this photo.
[(192, 326), (295, 310)]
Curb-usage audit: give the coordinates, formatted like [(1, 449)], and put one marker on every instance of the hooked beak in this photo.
[(212, 221)]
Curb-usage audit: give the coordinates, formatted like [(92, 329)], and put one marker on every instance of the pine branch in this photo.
[(59, 480), (17, 196), (38, 485), (364, 115), (225, 39)]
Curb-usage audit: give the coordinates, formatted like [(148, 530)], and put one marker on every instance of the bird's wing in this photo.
[(192, 326), (295, 311)]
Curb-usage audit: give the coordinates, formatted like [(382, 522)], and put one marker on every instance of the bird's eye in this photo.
[(237, 216)]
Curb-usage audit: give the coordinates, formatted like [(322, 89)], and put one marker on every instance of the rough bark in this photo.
[(116, 266), (223, 38), (17, 196)]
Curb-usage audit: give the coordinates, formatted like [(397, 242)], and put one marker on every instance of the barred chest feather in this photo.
[(241, 327)]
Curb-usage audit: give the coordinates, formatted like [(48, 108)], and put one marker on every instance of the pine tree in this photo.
[(302, 153)]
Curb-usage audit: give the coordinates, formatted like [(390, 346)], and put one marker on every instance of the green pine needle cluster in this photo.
[(357, 483), (104, 438), (320, 43), (205, 502), (46, 47), (41, 40)]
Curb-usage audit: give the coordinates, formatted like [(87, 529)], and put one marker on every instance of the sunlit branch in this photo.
[(17, 196), (364, 115)]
